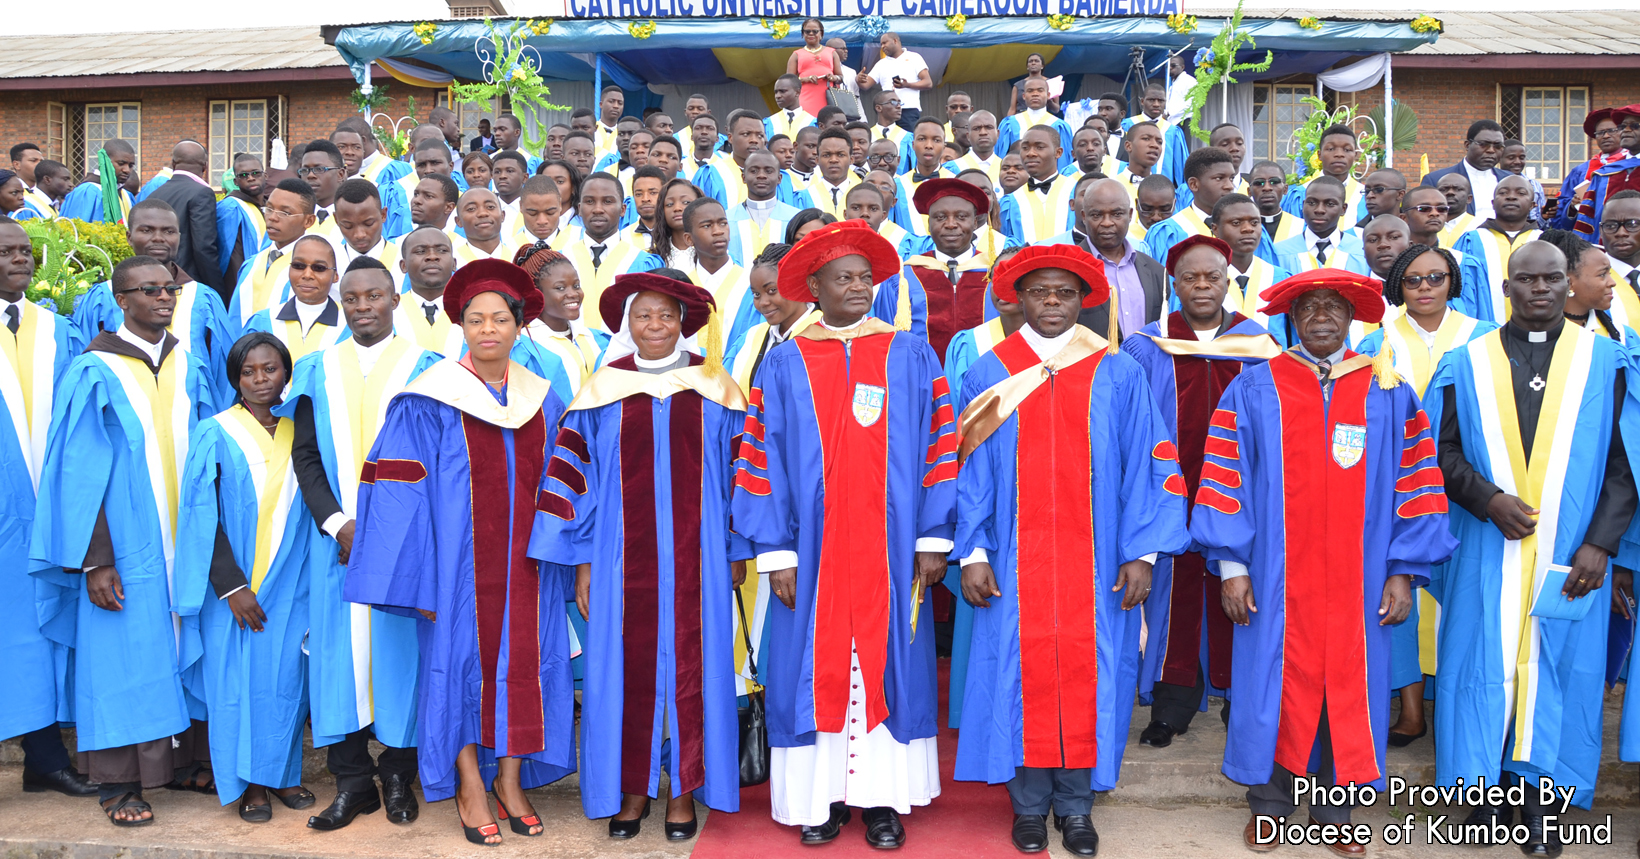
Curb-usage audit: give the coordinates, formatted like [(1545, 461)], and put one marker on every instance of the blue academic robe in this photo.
[(639, 487), (1175, 150), (236, 227), (495, 662), (785, 502), (254, 684), (1009, 132), (104, 453), (349, 641), (1481, 725), (154, 182), (200, 324), (1294, 254), (1189, 632), (1042, 693), (1275, 465), (33, 669), (85, 203), (955, 308), (1483, 255)]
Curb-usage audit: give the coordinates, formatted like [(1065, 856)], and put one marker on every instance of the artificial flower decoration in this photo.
[(541, 26), (1179, 22), (874, 26), (956, 23), (641, 29), (777, 29), (424, 31), (1216, 64), (1310, 22), (1061, 22), (1204, 57), (1427, 24)]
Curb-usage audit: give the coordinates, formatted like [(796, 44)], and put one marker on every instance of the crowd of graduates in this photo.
[(529, 463)]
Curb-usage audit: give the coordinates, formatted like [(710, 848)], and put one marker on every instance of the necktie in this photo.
[(597, 255), (1321, 251), (13, 318), (323, 215), (273, 257), (834, 196), (951, 270), (791, 116), (431, 310), (1241, 281), (1634, 279)]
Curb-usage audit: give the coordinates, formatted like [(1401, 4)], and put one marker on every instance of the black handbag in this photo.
[(846, 101), (754, 729)]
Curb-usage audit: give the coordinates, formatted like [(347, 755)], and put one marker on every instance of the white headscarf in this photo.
[(622, 344)]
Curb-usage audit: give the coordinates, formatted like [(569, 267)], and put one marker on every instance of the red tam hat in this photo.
[(492, 275), (1594, 117), (1067, 257), (934, 189), (1178, 250), (697, 303), (1365, 293), (833, 242), (1630, 111)]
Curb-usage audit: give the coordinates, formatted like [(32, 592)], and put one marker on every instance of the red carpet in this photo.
[(968, 819)]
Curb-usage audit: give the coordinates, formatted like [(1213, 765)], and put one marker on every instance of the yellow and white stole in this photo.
[(441, 335), (254, 215), (741, 367), (893, 133), (604, 140), (327, 229), (1290, 225), (579, 351), (268, 458), (753, 238), (992, 166), (1042, 216), (1261, 275), (1455, 228), (163, 410), (373, 166), (357, 405), (908, 186), (42, 202), (799, 120), (1538, 482), (617, 259), (299, 342), (466, 252), (728, 286), (26, 382), (265, 274), (820, 194), (1497, 249), (1625, 309), (182, 318)]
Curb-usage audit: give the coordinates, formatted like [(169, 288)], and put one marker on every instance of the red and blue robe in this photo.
[(1289, 480), (638, 486), (495, 660), (1079, 479), (1188, 629), (842, 434), (925, 301)]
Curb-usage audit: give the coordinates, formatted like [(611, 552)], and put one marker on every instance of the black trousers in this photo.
[(349, 760), (909, 117), (1175, 704), (1275, 797), (43, 750), (1035, 790), (1531, 806)]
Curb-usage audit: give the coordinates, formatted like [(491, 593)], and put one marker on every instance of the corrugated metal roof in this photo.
[(169, 51), (1473, 33)]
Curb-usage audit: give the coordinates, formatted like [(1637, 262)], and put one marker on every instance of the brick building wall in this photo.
[(171, 113)]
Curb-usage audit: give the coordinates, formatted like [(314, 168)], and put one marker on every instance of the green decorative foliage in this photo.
[(512, 70), (1307, 148), (1217, 64), (369, 102), (1406, 125), (70, 256)]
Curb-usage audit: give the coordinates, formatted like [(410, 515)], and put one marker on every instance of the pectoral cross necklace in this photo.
[(1538, 384)]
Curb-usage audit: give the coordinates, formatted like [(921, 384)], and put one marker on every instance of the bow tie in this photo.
[(1040, 186)]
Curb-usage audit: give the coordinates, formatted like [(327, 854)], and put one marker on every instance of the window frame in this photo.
[(1268, 126), (1574, 146), (88, 151), (268, 117)]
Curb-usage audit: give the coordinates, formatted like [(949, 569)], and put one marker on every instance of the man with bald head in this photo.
[(1138, 284), (480, 214), (189, 193), (1486, 250), (1525, 603)]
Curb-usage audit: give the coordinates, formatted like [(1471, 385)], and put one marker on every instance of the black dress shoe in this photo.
[(1487, 815), (1540, 842), (1030, 833), (399, 799), (347, 805), (1077, 834), (1158, 734), (624, 829), (827, 832), (681, 831), (883, 828), (66, 780)]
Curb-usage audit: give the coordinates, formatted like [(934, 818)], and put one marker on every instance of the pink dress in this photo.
[(814, 65)]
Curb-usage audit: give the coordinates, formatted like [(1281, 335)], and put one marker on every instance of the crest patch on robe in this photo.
[(868, 403), (1348, 443)]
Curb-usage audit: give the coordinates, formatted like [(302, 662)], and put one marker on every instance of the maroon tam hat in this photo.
[(934, 189), (1179, 250), (697, 303), (833, 242), (1365, 293), (492, 275), (1068, 257), (1594, 117)]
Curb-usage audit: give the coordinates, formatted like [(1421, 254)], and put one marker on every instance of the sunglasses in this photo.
[(1265, 183), (1381, 189), (1434, 278), (1426, 208), (249, 174), (153, 291), (317, 268)]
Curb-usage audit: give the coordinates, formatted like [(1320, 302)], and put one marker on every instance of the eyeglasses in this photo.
[(1380, 189), (882, 157), (1434, 278), (248, 174), (317, 268), (270, 212), (1608, 132), (1426, 208), (308, 172), (153, 291), (1628, 225), (1631, 125), (1266, 183), (1066, 294)]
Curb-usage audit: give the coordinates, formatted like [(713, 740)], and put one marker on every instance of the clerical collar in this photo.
[(152, 350), (1519, 333), (1046, 347), (1270, 219), (760, 204), (856, 324)]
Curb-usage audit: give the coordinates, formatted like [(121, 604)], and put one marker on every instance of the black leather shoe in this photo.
[(1030, 833), (1540, 842), (1077, 834), (1487, 815), (883, 828), (66, 780), (681, 831), (624, 829), (827, 832), (1158, 734), (399, 799), (347, 805)]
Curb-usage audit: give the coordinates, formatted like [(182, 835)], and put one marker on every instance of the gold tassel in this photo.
[(902, 308), (1110, 327), (1383, 367), (714, 341)]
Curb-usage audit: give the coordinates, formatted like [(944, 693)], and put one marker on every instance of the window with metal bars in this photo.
[(89, 126), (1549, 121), (1278, 113)]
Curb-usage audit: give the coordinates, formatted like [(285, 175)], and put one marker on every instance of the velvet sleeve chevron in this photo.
[(1222, 522), (565, 501), (1152, 490), (936, 518), (1419, 534)]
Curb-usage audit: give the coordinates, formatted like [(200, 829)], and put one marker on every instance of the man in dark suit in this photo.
[(190, 195), (1484, 148), (1138, 283), (483, 142)]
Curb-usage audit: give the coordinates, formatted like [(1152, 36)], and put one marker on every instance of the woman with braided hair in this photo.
[(1591, 292), (559, 330), (1421, 282)]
